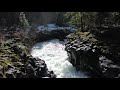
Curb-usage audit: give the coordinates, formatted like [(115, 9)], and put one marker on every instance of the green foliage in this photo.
[(73, 18), (9, 59), (107, 18), (23, 21), (82, 20), (116, 17), (86, 20)]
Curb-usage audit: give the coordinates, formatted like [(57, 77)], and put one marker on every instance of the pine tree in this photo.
[(23, 21), (82, 20)]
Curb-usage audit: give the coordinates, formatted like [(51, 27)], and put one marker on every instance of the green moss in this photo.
[(6, 51), (9, 58), (85, 36), (17, 58), (2, 64), (1, 54), (5, 62), (8, 61)]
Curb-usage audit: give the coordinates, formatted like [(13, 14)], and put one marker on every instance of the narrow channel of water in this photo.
[(55, 56)]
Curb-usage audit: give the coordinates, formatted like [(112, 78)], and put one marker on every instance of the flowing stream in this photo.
[(55, 56)]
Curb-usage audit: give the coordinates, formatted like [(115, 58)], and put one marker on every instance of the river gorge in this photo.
[(56, 58)]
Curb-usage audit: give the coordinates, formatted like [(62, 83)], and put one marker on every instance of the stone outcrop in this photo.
[(109, 68), (86, 52), (84, 55), (59, 34), (15, 60), (17, 63)]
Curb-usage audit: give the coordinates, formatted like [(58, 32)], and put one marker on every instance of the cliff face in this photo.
[(15, 60), (97, 53)]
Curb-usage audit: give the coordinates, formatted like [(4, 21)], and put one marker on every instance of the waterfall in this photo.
[(56, 58)]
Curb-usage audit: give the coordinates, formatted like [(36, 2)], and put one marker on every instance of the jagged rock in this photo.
[(30, 71), (59, 34), (17, 40), (84, 49), (37, 67), (16, 49), (84, 55), (19, 74), (10, 73), (85, 52), (109, 68), (16, 62), (51, 74), (32, 62)]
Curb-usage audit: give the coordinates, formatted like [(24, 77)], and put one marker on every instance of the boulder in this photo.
[(100, 56), (38, 69), (84, 55), (16, 62), (52, 34), (10, 73)]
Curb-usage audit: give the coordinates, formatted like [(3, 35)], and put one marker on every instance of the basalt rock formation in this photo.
[(15, 60), (88, 52), (55, 34)]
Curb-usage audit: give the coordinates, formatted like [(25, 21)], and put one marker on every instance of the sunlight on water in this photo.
[(55, 56)]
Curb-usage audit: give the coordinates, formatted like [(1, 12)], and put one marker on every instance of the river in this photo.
[(56, 58)]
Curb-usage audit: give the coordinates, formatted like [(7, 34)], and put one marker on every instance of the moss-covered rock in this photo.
[(85, 49), (16, 62)]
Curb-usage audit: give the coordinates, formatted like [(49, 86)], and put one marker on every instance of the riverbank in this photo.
[(15, 59), (96, 51), (28, 66)]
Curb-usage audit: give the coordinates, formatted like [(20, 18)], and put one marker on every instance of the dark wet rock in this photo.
[(51, 74), (19, 74), (83, 55), (30, 71), (109, 68), (16, 62), (10, 73), (32, 61), (16, 49), (101, 57), (38, 69), (54, 34), (17, 40)]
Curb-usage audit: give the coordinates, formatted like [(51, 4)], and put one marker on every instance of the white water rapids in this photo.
[(55, 56)]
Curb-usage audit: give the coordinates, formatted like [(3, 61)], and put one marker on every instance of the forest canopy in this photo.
[(84, 20)]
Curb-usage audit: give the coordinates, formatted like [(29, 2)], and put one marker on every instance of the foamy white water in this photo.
[(55, 56)]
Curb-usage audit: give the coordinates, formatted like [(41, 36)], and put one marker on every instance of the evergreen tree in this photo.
[(83, 20), (23, 21)]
